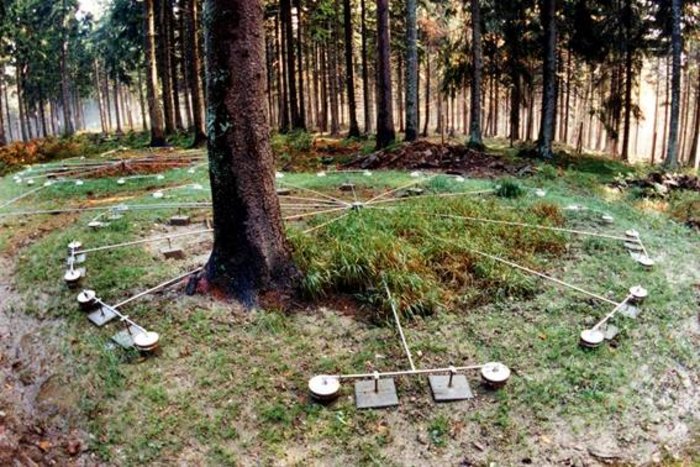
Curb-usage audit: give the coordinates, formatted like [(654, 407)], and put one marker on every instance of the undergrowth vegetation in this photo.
[(429, 262)]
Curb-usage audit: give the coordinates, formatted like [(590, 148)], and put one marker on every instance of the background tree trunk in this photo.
[(411, 71), (477, 58), (354, 130), (671, 161), (152, 87), (250, 253), (365, 70), (549, 70), (194, 70), (385, 114)]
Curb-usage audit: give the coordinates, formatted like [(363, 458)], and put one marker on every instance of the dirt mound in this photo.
[(450, 158), (658, 184)]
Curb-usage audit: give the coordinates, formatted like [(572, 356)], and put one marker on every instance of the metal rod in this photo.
[(135, 207), (435, 195), (120, 315), (326, 223), (612, 313), (386, 193), (388, 374), (22, 196), (146, 240), (157, 287), (301, 198), (398, 326), (536, 273), (307, 214), (532, 226), (323, 195)]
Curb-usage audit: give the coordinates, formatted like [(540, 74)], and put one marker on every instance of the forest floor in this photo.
[(230, 387)]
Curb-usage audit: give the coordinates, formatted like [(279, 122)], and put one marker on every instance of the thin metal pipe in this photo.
[(136, 207), (307, 214), (312, 229), (22, 196), (323, 195), (398, 326), (121, 316), (403, 187), (388, 374), (612, 313), (145, 240), (532, 226), (536, 273), (436, 195), (300, 198), (162, 285)]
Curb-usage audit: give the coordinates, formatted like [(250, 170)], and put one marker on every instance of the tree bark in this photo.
[(671, 161), (365, 70), (152, 86), (354, 130), (288, 54), (250, 253), (385, 114), (549, 69), (427, 94), (477, 58), (411, 71), (194, 70)]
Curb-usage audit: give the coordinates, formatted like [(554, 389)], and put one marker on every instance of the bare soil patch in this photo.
[(457, 159)]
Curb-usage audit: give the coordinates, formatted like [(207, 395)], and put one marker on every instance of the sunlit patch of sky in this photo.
[(95, 7)]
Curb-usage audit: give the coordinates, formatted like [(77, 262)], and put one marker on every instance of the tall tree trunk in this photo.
[(300, 67), (477, 58), (411, 71), (20, 104), (163, 63), (117, 115), (142, 104), (250, 253), (68, 128), (354, 130), (194, 71), (288, 53), (427, 94), (172, 61), (549, 70), (365, 70), (385, 114), (627, 17), (152, 86), (693, 159), (3, 139), (671, 161), (332, 75)]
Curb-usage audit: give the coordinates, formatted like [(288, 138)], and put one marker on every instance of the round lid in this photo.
[(607, 218), (95, 224), (324, 385), (146, 339), (121, 181), (321, 174), (30, 182), (74, 245), (71, 275), (592, 337), (279, 175), (638, 292), (632, 233), (79, 182), (495, 372), (367, 173), (158, 194), (86, 296), (160, 177), (646, 261)]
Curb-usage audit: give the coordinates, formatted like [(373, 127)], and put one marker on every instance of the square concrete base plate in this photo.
[(367, 398), (610, 332), (180, 220), (101, 316), (173, 253), (629, 311), (443, 392), (124, 338)]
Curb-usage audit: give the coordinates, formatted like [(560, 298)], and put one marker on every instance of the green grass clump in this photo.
[(509, 189), (428, 261)]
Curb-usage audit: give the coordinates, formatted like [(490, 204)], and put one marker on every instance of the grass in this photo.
[(229, 388)]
